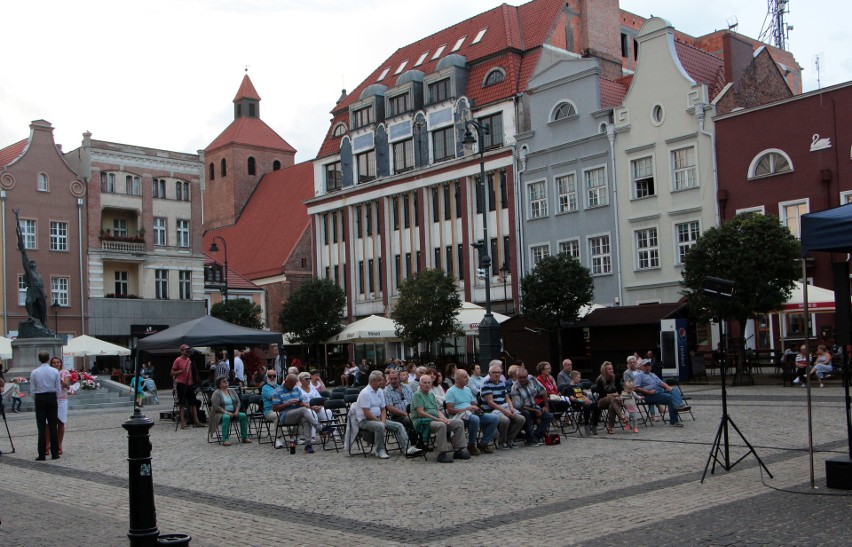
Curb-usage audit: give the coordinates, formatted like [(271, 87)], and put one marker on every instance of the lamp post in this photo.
[(215, 249), (504, 273), (55, 307), (489, 330)]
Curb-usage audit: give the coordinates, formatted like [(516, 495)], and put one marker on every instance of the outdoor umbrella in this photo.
[(372, 329), (5, 348), (84, 345), (469, 316)]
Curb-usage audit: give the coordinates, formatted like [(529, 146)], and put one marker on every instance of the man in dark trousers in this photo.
[(45, 386)]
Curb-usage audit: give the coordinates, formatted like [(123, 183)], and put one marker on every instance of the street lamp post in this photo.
[(504, 272), (489, 329), (215, 249), (55, 307)]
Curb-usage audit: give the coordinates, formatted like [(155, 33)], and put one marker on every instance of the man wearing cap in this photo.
[(182, 373), (657, 392)]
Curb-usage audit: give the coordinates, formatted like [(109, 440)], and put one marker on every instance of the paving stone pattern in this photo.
[(621, 489)]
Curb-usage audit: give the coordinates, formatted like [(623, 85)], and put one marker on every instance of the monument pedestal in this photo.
[(25, 354)]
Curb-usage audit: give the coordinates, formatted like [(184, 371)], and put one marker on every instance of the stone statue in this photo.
[(36, 303)]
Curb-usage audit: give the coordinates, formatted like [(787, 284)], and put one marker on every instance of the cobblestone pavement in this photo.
[(621, 489)]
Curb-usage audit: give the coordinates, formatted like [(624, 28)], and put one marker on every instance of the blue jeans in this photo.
[(671, 399), (488, 423), (536, 434)]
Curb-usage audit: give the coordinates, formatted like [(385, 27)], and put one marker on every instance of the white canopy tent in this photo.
[(470, 315), (819, 299), (5, 348), (83, 346)]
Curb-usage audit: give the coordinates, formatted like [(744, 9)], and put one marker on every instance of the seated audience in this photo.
[(525, 392), (579, 400), (495, 399), (428, 418), (287, 402), (461, 404), (224, 407), (608, 386), (371, 413), (657, 392)]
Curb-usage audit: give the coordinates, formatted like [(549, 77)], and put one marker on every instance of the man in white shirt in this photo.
[(45, 387), (239, 368), (371, 414)]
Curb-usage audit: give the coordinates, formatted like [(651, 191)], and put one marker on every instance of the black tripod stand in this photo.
[(722, 289), (9, 434)]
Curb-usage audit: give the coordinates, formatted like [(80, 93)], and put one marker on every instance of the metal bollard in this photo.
[(143, 514)]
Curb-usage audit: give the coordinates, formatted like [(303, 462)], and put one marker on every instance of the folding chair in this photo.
[(350, 399), (337, 424), (233, 427)]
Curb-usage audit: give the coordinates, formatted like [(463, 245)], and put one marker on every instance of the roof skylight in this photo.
[(384, 73), (479, 36), (421, 58), (438, 52), (401, 67), (459, 43)]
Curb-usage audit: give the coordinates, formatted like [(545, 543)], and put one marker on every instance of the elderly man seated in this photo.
[(495, 399), (461, 403), (657, 392), (286, 400), (398, 398), (428, 418), (371, 414), (525, 392)]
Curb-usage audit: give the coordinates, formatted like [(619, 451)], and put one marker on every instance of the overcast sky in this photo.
[(163, 73)]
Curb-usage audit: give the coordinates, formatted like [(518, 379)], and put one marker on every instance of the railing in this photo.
[(123, 246)]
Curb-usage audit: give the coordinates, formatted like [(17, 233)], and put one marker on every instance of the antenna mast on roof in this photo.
[(816, 66), (776, 26)]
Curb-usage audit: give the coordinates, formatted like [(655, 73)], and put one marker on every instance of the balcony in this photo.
[(122, 244)]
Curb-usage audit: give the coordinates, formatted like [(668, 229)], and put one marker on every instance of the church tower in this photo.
[(237, 159)]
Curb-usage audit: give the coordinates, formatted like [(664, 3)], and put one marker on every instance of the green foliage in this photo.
[(314, 312), (556, 289), (427, 306), (238, 311), (754, 251)]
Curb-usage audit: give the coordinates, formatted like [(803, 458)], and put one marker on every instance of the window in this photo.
[(160, 231), (647, 249), (182, 233), (596, 191), (250, 166), (845, 197), (658, 115), (161, 284), (185, 194), (448, 262), (22, 291), (769, 163), (28, 232), (108, 182), (58, 236), (479, 36), (368, 219), (438, 52), (185, 285), (398, 104), (401, 67), (119, 227), (421, 58), (564, 110), (458, 45), (41, 185), (158, 188), (624, 42), (494, 136), (133, 185), (494, 77), (448, 211), (366, 166), (566, 191), (223, 167), (791, 213), (403, 155), (570, 247), (443, 143), (439, 91), (339, 130), (276, 165), (121, 283), (333, 177), (686, 235), (683, 168), (642, 173), (383, 74), (59, 290), (751, 210), (538, 199), (211, 171), (538, 253), (600, 255), (460, 255), (362, 117), (358, 222)]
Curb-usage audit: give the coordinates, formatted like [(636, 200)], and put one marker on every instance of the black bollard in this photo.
[(143, 514)]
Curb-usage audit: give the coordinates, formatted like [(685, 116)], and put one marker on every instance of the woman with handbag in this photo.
[(225, 406), (556, 402), (608, 387)]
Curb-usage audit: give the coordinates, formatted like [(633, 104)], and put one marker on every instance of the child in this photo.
[(579, 401), (149, 386), (628, 400), (13, 390)]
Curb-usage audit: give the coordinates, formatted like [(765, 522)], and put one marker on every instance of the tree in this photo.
[(427, 307), (754, 251), (238, 311), (555, 291), (314, 312)]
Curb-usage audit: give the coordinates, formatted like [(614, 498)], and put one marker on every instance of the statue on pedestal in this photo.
[(36, 304)]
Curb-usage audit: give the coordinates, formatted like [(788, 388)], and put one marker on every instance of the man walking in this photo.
[(45, 387)]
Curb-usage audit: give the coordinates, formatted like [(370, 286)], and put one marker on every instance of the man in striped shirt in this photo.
[(496, 401)]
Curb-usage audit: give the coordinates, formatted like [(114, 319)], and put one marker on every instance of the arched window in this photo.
[(251, 166), (339, 130), (564, 110), (495, 76), (276, 165), (42, 182), (769, 162), (212, 171), (224, 168)]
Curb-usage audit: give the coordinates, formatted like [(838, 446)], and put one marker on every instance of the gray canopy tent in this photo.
[(831, 231), (208, 331)]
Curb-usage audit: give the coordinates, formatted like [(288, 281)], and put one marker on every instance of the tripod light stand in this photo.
[(722, 290)]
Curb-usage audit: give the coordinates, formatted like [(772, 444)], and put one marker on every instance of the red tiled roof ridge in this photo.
[(246, 90), (690, 46), (250, 132), (12, 152)]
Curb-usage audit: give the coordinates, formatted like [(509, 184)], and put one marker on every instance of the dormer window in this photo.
[(399, 104), (494, 77), (339, 130), (362, 117), (439, 91)]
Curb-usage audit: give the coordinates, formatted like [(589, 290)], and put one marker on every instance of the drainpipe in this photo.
[(610, 135), (700, 114), (80, 257), (5, 293)]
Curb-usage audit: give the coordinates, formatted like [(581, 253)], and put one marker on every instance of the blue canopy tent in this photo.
[(830, 231)]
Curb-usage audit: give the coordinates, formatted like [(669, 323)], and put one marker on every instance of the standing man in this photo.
[(239, 368), (45, 387), (182, 373)]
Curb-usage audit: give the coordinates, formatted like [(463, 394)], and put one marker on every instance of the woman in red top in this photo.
[(557, 404)]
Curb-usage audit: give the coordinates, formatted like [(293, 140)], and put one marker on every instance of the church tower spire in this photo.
[(246, 101)]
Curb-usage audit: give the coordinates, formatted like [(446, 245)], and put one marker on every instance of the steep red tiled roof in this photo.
[(12, 152), (271, 224), (235, 280), (518, 32), (612, 93), (250, 132), (702, 67), (246, 90)]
